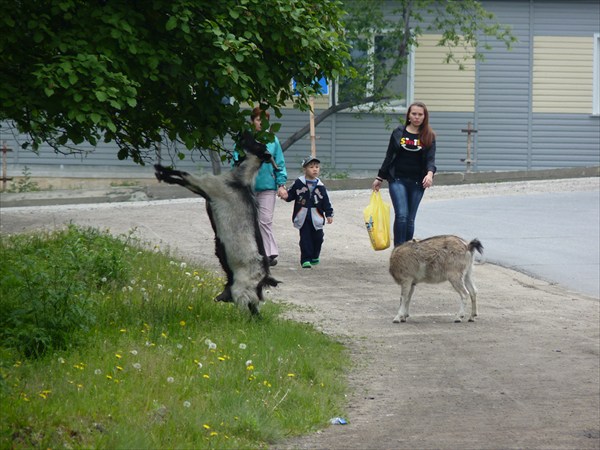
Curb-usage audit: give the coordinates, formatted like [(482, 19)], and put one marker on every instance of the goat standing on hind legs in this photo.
[(434, 260), (232, 210)]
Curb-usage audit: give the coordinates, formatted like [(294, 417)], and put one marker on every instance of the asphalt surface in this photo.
[(551, 236)]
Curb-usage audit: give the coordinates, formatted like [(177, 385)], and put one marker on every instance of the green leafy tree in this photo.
[(394, 26), (146, 73)]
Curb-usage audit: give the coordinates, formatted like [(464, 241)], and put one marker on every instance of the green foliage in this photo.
[(144, 72), (24, 184), (49, 283), (161, 364)]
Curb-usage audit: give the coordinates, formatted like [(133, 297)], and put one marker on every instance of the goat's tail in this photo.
[(475, 244)]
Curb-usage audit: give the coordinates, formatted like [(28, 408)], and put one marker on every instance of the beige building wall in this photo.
[(443, 87), (562, 74)]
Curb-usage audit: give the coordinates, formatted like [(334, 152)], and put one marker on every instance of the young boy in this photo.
[(311, 209)]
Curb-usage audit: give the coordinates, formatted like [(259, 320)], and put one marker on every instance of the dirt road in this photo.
[(525, 375)]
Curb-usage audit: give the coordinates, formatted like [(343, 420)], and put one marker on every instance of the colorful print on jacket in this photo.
[(316, 203)]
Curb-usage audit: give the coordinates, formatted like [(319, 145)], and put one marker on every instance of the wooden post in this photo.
[(469, 130), (313, 138), (5, 150)]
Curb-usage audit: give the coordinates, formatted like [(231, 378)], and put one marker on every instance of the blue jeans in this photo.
[(406, 196)]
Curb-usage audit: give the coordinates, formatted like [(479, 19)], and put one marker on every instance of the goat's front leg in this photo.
[(407, 288)]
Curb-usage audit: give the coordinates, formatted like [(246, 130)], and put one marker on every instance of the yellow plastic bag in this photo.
[(377, 220)]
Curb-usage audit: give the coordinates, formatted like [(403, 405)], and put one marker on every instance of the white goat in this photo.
[(434, 260), (232, 210)]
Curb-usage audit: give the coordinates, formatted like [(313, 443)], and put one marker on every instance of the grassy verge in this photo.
[(105, 343)]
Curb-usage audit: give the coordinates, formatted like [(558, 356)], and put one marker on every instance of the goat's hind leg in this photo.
[(473, 294), (406, 294), (459, 286)]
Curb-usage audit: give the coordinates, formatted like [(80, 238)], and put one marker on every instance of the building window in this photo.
[(372, 60), (596, 77)]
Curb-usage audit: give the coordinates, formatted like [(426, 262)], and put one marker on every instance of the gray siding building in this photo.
[(536, 106)]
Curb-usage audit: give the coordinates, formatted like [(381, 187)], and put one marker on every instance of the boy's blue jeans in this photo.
[(406, 195)]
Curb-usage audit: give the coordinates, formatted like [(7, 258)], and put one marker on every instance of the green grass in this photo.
[(105, 342)]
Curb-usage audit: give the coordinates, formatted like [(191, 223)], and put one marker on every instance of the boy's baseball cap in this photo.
[(306, 161)]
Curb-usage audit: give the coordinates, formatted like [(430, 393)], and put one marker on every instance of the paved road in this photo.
[(555, 237)]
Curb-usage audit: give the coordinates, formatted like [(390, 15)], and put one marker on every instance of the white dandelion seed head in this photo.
[(159, 287), (61, 360), (186, 404), (170, 291), (97, 372), (183, 265), (199, 365), (132, 282), (188, 274), (104, 279), (129, 288), (207, 341), (197, 278), (243, 346), (179, 346), (248, 363), (194, 290), (137, 366), (170, 380), (212, 346), (134, 352)]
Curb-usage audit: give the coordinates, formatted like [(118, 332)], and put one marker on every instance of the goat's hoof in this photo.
[(396, 320), (458, 320), (224, 296), (471, 319)]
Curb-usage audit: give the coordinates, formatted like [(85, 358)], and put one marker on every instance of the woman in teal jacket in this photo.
[(269, 184)]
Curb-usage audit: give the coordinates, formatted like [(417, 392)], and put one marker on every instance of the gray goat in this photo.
[(232, 210), (434, 260)]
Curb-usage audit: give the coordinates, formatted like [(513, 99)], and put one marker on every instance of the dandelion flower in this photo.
[(206, 426), (118, 355), (291, 375), (206, 376), (182, 323)]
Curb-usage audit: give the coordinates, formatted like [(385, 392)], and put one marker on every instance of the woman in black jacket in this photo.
[(408, 167)]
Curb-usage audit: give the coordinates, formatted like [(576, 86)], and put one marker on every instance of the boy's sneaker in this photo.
[(314, 262), (306, 265)]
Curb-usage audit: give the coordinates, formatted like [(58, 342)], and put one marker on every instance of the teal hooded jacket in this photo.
[(269, 179)]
